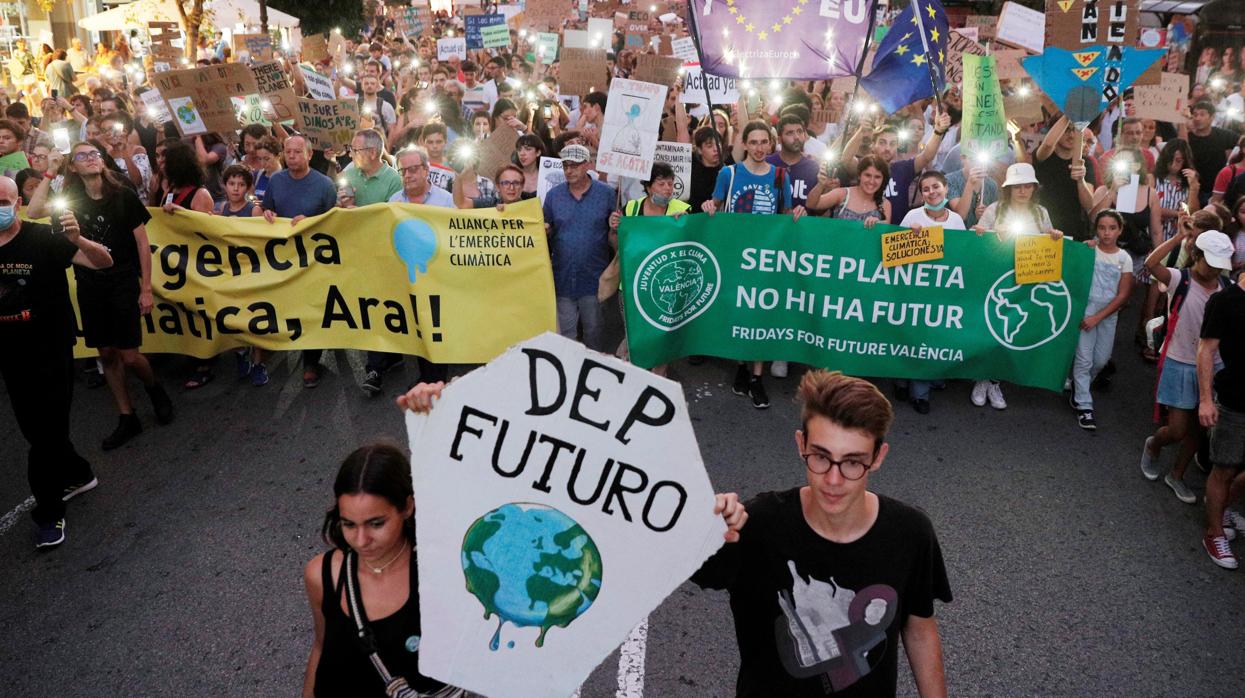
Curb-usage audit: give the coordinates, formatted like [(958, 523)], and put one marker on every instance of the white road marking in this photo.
[(631, 663), (8, 520)]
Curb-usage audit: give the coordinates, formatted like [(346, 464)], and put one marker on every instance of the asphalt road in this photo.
[(1072, 574)]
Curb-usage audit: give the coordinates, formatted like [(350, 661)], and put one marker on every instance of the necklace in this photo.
[(378, 570)]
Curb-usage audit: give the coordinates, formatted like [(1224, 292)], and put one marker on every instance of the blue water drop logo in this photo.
[(416, 243)]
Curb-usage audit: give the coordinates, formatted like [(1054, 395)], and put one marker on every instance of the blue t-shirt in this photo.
[(752, 193), (311, 195), (579, 237), (898, 188), (803, 177)]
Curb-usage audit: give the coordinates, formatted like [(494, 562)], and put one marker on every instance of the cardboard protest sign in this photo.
[(274, 86), (496, 36), (250, 110), (414, 21), (583, 70), (957, 47), (531, 570), (1082, 83), (1039, 259), (315, 48), (679, 157), (1073, 24), (600, 30), (1020, 26), (969, 32), (328, 123), (475, 23), (910, 246), (257, 46), (721, 90), (1007, 63), (550, 176), (685, 49), (162, 35), (545, 14), (662, 70), (983, 128), (453, 47), (632, 128), (1023, 104), (984, 24), (495, 150), (579, 38), (155, 106), (208, 90), (318, 86), (1165, 101), (441, 176)]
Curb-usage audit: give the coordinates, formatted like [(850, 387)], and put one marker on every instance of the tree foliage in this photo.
[(321, 16)]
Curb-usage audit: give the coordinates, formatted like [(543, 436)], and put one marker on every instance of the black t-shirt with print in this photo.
[(1222, 320), (34, 291), (111, 221), (817, 618)]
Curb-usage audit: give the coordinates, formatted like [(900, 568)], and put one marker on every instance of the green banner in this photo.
[(753, 287), (984, 127)]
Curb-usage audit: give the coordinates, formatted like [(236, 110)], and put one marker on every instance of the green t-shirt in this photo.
[(375, 189)]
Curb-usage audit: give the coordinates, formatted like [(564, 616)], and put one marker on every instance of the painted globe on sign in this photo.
[(532, 566)]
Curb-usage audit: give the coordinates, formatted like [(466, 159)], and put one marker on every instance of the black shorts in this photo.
[(110, 316)]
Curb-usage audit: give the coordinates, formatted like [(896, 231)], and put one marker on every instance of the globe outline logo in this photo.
[(995, 293), (688, 266), (515, 562)]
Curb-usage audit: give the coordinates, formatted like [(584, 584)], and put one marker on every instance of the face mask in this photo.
[(660, 200), (7, 215), (937, 207)]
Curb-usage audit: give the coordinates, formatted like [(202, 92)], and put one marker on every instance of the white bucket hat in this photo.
[(1020, 173)]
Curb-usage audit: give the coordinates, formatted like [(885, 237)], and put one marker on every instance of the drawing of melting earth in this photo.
[(530, 565), (628, 139), (186, 113)]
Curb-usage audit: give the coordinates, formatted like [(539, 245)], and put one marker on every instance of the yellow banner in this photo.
[(454, 286)]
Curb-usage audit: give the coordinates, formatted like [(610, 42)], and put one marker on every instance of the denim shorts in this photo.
[(1178, 385)]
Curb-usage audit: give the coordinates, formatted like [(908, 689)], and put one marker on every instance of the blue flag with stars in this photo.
[(901, 68)]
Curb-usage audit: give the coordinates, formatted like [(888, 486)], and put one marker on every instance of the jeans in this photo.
[(917, 390), (585, 310), (40, 387), (1093, 351)]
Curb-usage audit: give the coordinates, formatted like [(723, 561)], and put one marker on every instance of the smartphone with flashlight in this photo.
[(548, 112), (60, 139)]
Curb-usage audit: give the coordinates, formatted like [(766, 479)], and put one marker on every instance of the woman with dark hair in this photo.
[(528, 150), (864, 202), (1176, 182), (371, 567), (213, 154), (27, 181), (481, 125), (1230, 171)]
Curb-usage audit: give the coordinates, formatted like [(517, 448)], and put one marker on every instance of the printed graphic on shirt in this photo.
[(829, 630), (14, 297), (754, 198)]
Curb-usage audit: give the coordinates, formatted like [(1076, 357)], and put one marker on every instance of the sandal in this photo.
[(198, 380)]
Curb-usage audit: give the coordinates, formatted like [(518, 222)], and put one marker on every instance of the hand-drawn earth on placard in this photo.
[(530, 565)]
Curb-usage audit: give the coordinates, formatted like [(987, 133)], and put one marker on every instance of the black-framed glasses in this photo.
[(412, 169), (510, 183), (820, 464)]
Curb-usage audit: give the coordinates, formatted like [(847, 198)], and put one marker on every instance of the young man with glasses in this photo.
[(825, 579)]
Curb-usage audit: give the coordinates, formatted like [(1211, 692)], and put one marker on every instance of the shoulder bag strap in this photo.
[(395, 686)]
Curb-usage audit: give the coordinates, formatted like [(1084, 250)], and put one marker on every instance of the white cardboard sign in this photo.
[(318, 86), (721, 90), (679, 157), (632, 128), (560, 498), (454, 47), (1021, 26), (549, 177), (685, 48)]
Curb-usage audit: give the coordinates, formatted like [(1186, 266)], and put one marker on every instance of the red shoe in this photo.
[(1218, 550)]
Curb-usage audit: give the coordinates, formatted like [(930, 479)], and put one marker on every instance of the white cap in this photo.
[(1217, 249), (1020, 173)]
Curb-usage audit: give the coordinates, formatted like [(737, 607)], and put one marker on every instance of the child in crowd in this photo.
[(1108, 292)]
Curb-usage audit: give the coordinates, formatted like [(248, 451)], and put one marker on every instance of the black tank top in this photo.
[(344, 668)]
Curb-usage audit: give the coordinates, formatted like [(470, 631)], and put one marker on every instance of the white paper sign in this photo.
[(549, 177), (632, 128), (1021, 26), (561, 497), (578, 38), (721, 90), (156, 109), (188, 115), (440, 176), (601, 29), (1126, 196), (454, 47), (685, 48), (318, 86), (679, 157)]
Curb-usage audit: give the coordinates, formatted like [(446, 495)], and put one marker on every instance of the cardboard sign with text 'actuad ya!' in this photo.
[(560, 497)]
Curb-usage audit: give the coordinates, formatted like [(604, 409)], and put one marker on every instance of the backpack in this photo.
[(779, 174)]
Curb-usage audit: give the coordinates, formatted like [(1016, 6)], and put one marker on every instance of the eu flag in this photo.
[(901, 68)]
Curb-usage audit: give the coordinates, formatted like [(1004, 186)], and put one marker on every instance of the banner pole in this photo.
[(860, 68), (929, 62)]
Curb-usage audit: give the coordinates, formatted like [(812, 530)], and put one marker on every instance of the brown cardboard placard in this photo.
[(544, 14), (328, 123), (210, 89), (495, 151), (663, 70), (315, 48), (274, 85), (1074, 24), (957, 46), (583, 70), (162, 35), (259, 46), (1009, 67), (1165, 101), (1023, 110)]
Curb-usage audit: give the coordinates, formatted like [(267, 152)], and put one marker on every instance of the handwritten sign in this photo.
[(1073, 24), (662, 70), (1165, 101), (679, 157), (274, 87), (547, 46), (685, 49), (328, 123), (1022, 27), (453, 47), (721, 90), (496, 36), (318, 86), (984, 128), (210, 89), (1038, 259), (909, 246), (959, 45), (583, 70), (315, 49), (495, 151), (257, 46), (632, 128), (475, 24), (545, 14)]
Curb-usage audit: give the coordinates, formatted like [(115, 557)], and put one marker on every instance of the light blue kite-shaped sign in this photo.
[(1085, 81)]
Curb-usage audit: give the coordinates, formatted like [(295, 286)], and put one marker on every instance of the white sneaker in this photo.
[(1233, 520), (995, 393), (1183, 493), (778, 369), (979, 393), (1149, 468)]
